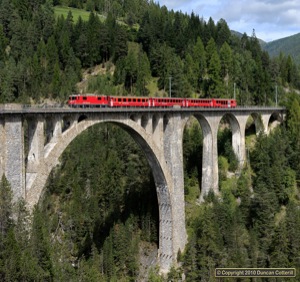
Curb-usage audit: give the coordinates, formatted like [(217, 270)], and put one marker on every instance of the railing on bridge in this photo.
[(63, 107)]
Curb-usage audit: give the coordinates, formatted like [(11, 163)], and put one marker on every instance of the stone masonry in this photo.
[(158, 132)]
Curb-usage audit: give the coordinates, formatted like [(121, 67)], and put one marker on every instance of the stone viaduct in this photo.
[(159, 132)]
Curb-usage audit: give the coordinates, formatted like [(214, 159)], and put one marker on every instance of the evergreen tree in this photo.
[(294, 121), (40, 246), (226, 65), (293, 236), (223, 33), (8, 89), (3, 43), (7, 15), (6, 208), (214, 79), (279, 247)]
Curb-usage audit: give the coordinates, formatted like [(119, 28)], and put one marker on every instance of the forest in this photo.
[(288, 45), (98, 220)]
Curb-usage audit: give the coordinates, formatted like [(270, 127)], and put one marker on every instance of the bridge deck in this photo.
[(29, 110)]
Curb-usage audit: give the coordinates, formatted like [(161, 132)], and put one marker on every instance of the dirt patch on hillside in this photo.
[(102, 69)]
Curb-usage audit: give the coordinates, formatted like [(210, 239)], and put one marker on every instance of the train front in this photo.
[(72, 102)]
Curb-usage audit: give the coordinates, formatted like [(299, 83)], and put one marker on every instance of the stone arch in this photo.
[(66, 122), (258, 122), (237, 127), (82, 118), (209, 179), (145, 122), (276, 119), (265, 122), (162, 178)]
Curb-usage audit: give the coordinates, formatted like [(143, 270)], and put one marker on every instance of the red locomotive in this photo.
[(96, 101)]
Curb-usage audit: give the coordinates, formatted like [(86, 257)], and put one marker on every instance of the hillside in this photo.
[(240, 35), (288, 46)]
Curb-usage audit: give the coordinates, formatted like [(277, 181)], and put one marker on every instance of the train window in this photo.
[(84, 98), (119, 99), (74, 98), (99, 98), (134, 100)]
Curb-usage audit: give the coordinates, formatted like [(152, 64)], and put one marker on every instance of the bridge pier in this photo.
[(238, 127), (173, 136), (14, 162), (35, 158), (36, 144), (210, 170)]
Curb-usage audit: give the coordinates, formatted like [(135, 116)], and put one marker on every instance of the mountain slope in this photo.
[(288, 46)]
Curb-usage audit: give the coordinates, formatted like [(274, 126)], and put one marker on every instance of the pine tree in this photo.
[(40, 246), (279, 247), (6, 16), (214, 78), (294, 121), (3, 43), (191, 260), (6, 221), (9, 248), (293, 227), (8, 88), (223, 33), (199, 57), (226, 64)]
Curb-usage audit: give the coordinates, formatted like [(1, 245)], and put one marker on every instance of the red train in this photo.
[(92, 100)]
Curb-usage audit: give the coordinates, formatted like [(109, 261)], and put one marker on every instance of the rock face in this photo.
[(148, 260)]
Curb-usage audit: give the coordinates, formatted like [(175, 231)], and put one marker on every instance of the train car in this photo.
[(83, 101), (124, 101), (167, 102), (199, 103), (224, 103)]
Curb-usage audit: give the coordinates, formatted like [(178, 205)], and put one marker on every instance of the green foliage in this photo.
[(223, 168), (154, 276), (192, 155), (288, 45), (77, 13), (42, 50), (294, 121), (247, 224), (107, 204), (225, 148), (5, 206), (102, 85), (133, 71)]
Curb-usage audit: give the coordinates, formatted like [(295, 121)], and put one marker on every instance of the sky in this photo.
[(271, 19)]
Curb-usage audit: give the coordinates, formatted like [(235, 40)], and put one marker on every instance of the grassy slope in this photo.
[(60, 10), (63, 10)]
